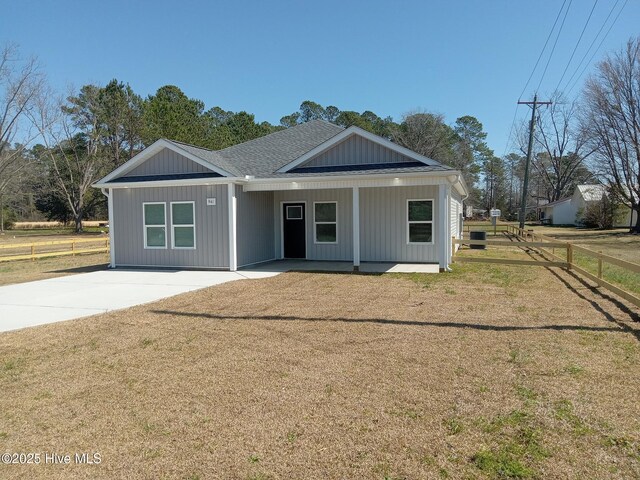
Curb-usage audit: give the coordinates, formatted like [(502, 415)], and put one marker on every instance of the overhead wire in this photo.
[(595, 39), (554, 45), (543, 49), (597, 48), (577, 44)]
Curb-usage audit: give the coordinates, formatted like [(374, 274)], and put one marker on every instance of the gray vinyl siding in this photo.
[(254, 228), (212, 227), (343, 249), (167, 162), (383, 225), (356, 150)]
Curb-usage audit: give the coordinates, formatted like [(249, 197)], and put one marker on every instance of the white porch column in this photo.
[(112, 243), (443, 227), (233, 254), (356, 228)]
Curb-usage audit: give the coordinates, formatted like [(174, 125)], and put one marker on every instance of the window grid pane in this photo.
[(156, 236), (182, 213), (420, 232), (184, 237), (420, 210), (326, 233), (294, 212), (325, 212), (154, 214)]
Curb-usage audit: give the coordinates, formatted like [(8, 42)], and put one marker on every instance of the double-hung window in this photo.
[(420, 221), (325, 222), (155, 224), (183, 225)]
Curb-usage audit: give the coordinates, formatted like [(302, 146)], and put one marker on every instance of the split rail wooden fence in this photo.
[(547, 247), (54, 248)]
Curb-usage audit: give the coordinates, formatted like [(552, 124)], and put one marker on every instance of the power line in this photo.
[(543, 49), (513, 122), (595, 39), (577, 43), (554, 45), (598, 48)]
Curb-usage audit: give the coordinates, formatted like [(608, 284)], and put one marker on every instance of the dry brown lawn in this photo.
[(487, 372), (41, 269)]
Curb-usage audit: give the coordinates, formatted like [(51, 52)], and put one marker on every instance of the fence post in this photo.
[(569, 256), (600, 264), (33, 253), (73, 248)]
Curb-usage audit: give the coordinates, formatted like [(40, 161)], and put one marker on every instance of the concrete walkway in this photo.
[(75, 296)]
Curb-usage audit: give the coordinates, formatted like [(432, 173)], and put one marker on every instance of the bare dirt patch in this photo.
[(487, 372)]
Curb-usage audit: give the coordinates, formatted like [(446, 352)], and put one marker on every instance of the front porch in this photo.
[(340, 266)]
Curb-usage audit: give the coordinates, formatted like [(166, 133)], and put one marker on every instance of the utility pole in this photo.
[(525, 186)]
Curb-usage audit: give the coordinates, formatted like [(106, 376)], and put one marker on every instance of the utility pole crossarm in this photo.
[(525, 185)]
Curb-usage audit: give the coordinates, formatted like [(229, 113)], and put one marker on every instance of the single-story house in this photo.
[(568, 211), (315, 191)]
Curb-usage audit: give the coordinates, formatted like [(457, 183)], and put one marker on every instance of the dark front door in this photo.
[(293, 230)]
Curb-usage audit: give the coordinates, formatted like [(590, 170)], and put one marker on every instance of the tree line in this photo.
[(53, 147)]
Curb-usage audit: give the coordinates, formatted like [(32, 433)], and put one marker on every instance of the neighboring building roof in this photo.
[(592, 193), (557, 202)]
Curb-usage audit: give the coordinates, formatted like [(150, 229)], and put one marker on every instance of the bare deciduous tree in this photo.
[(72, 156), (611, 120), (563, 151), (20, 83)]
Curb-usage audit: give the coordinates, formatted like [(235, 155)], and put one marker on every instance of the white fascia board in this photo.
[(340, 181), (353, 130), (173, 183), (151, 150)]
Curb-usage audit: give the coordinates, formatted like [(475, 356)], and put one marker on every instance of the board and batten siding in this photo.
[(166, 162), (343, 249), (383, 225), (254, 227), (211, 224), (356, 150)]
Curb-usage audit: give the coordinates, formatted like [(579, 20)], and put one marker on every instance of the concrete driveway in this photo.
[(65, 298)]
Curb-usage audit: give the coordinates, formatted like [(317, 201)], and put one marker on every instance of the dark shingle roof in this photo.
[(264, 156)]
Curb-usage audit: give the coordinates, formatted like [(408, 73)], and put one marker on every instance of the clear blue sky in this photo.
[(266, 57)]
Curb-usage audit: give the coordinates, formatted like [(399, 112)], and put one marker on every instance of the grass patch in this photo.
[(502, 464), (453, 425), (564, 411), (373, 366)]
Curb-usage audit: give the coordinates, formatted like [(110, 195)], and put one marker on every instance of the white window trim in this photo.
[(145, 226), (315, 224), (192, 225), (433, 235), (294, 206)]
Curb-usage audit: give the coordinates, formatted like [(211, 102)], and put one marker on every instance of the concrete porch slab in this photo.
[(279, 266)]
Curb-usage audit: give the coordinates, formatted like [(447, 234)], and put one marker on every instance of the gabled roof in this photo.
[(263, 156), (557, 202), (154, 148), (345, 134), (592, 193), (283, 154)]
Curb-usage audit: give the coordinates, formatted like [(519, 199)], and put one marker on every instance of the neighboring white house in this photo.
[(568, 211)]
